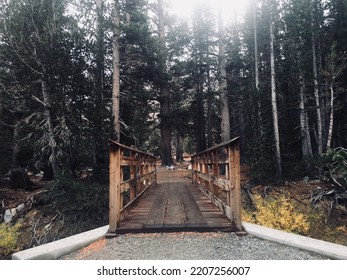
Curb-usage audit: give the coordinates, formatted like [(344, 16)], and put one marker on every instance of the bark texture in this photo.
[(164, 99), (274, 100), (116, 72), (225, 115)]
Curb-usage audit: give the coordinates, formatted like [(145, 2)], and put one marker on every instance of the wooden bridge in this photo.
[(144, 199)]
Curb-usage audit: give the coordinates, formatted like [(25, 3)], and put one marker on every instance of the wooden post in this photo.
[(194, 169), (235, 184), (115, 191), (154, 169), (132, 176)]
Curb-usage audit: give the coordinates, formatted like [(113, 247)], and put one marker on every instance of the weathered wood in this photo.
[(191, 209), (174, 207), (174, 212), (142, 168), (157, 213), (224, 192), (224, 184), (235, 178), (115, 191)]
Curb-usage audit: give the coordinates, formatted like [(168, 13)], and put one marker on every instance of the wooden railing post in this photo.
[(132, 177), (235, 185), (115, 192)]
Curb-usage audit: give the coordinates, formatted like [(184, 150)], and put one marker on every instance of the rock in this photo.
[(9, 215), (20, 207)]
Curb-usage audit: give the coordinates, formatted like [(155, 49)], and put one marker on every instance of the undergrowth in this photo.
[(9, 238), (278, 214), (87, 201), (283, 214)]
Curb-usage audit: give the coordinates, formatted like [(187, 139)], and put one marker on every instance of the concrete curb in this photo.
[(330, 250), (54, 250)]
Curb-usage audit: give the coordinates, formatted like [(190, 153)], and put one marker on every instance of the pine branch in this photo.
[(39, 100)]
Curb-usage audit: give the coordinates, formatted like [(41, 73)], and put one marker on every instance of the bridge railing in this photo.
[(132, 173), (217, 172)]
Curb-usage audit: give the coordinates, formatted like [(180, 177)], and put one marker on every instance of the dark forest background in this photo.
[(56, 82)]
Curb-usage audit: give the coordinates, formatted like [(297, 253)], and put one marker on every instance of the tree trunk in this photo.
[(164, 99), (256, 73), (225, 117), (179, 147), (274, 100), (331, 117), (51, 138), (304, 129), (15, 150), (127, 51), (256, 70), (99, 158), (116, 72), (209, 110), (315, 80), (200, 119)]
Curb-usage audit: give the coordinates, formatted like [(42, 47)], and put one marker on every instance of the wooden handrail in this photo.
[(132, 173), (217, 172)]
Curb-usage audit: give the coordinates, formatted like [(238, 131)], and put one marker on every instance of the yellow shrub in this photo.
[(277, 213), (8, 238)]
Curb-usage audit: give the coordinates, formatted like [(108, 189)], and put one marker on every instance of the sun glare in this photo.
[(229, 8)]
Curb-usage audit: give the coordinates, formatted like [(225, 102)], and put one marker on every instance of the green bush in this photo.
[(335, 165), (87, 199)]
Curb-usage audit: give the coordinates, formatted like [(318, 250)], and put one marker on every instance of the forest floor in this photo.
[(41, 222)]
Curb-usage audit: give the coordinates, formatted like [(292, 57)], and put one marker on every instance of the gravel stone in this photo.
[(189, 245)]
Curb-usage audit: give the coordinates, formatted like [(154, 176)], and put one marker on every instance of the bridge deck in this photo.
[(174, 206)]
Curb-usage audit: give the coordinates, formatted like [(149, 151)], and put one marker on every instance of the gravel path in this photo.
[(189, 245)]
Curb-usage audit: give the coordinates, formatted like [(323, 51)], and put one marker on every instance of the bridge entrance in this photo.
[(147, 198)]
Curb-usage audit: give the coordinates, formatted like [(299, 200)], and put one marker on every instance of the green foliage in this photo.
[(9, 238), (321, 228), (335, 165), (89, 201)]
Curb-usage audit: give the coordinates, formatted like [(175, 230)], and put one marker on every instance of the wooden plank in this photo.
[(224, 184), (156, 214), (131, 149), (173, 207), (127, 208), (174, 214), (126, 185), (192, 212), (221, 206)]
